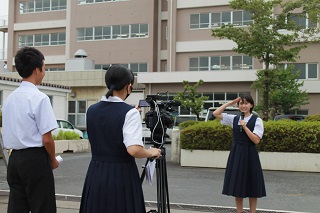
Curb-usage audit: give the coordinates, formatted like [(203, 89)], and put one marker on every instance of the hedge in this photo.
[(279, 136), (66, 136)]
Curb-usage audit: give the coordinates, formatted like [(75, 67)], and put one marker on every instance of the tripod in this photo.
[(162, 181)]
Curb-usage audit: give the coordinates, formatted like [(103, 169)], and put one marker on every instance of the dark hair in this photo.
[(28, 59), (117, 77), (248, 98)]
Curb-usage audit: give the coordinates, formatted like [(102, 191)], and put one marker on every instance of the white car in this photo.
[(66, 126), (179, 119), (145, 133)]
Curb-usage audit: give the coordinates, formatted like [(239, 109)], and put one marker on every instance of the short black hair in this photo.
[(28, 59), (117, 77), (248, 98)]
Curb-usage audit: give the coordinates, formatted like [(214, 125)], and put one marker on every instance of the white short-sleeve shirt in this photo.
[(27, 114), (132, 128), (227, 119)]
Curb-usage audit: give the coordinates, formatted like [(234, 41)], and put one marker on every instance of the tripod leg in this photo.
[(162, 185), (144, 171), (166, 185)]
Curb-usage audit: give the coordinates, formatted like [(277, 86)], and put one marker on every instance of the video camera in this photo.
[(159, 117)]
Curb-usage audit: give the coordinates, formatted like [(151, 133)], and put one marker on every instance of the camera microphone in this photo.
[(241, 117)]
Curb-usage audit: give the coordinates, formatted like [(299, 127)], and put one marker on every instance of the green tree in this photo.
[(190, 99), (265, 39), (285, 93)]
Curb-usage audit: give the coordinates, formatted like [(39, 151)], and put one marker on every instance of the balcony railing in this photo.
[(3, 25)]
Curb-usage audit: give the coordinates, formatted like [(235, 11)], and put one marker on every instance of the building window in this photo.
[(137, 67), (55, 69), (306, 71), (96, 1), (102, 66), (101, 33), (77, 113), (134, 67), (207, 63), (217, 99), (302, 21), (58, 39), (113, 32), (36, 40), (139, 30), (211, 20), (42, 5), (199, 20)]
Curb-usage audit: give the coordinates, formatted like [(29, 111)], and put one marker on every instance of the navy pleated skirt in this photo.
[(244, 177), (112, 187)]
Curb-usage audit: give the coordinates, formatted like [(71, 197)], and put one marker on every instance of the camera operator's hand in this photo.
[(138, 108), (154, 153), (140, 152)]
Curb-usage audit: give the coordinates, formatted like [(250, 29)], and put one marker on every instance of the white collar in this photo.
[(111, 99)]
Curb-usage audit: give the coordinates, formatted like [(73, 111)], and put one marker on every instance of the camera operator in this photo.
[(115, 133)]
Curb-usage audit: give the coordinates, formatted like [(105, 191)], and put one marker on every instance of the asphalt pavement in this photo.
[(190, 189)]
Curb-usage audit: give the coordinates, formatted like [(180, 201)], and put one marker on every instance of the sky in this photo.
[(3, 15)]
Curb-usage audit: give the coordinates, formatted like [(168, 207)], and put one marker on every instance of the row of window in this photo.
[(301, 21), (211, 20), (134, 67), (215, 100), (113, 32), (238, 18), (33, 6), (77, 109), (305, 70), (220, 63), (95, 1), (55, 69), (47, 39)]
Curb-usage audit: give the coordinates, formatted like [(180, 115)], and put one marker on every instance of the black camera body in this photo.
[(159, 116)]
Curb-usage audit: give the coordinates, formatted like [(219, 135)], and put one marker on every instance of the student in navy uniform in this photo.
[(243, 176), (27, 122), (112, 183)]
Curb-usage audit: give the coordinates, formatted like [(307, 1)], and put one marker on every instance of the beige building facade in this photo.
[(162, 41)]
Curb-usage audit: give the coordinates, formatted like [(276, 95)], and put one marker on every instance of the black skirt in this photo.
[(112, 188)]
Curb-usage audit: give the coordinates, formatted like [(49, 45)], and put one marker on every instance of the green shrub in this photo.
[(66, 136), (279, 136), (185, 124), (290, 136), (206, 136), (315, 117)]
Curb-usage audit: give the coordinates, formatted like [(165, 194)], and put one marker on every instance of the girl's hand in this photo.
[(242, 123), (235, 101)]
